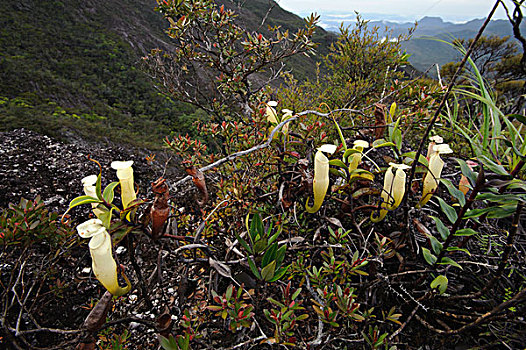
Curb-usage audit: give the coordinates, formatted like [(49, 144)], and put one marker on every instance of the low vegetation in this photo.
[(357, 209)]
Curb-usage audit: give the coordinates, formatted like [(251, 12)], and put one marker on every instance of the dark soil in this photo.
[(35, 165), (32, 164)]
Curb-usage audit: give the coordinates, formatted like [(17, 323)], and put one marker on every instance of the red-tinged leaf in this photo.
[(295, 154), (463, 184), (214, 308)]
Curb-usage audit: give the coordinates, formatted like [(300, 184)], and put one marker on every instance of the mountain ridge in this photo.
[(425, 45)]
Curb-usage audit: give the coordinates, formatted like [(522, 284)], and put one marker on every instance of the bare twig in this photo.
[(45, 329), (392, 336), (318, 339), (264, 144), (147, 323), (250, 341), (190, 246), (443, 103), (520, 296)]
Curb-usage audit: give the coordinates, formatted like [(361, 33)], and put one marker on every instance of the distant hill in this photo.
[(425, 51)]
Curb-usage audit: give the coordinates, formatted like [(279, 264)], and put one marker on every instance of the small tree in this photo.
[(358, 68), (360, 63), (217, 65), (500, 65), (496, 56)]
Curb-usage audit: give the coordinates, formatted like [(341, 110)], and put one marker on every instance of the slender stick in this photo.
[(264, 144), (136, 267), (443, 103)]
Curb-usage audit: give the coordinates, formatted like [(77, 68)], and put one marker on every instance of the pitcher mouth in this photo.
[(98, 240), (90, 228)]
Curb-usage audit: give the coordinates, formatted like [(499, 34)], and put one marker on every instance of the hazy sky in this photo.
[(455, 10)]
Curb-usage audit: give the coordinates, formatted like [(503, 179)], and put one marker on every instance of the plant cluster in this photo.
[(302, 240)]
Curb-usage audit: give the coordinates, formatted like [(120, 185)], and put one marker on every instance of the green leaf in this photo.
[(349, 152), (260, 246), (296, 293), (519, 117), (467, 172), (499, 198), (382, 143), (253, 268), (430, 258), (269, 255), (229, 291), (338, 172), (105, 217), (392, 110), (494, 167), (455, 192), (449, 261), (119, 235), (169, 343), (362, 174), (338, 163), (442, 229), (441, 283), (267, 315), (517, 184), (457, 249), (286, 315), (502, 211), (98, 187), (302, 317), (448, 210), (466, 232), (83, 200), (511, 145), (243, 243), (267, 273), (256, 227), (269, 229), (342, 139), (280, 255), (274, 236), (435, 244), (109, 194), (214, 308), (422, 160), (397, 137), (381, 338), (280, 273), (184, 342), (275, 302), (475, 213)]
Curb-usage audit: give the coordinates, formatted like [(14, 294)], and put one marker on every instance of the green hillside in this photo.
[(64, 66), (75, 66)]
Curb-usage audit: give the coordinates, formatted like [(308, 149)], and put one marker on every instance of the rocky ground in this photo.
[(36, 165), (32, 164)]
